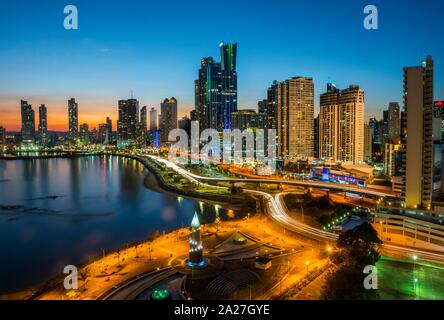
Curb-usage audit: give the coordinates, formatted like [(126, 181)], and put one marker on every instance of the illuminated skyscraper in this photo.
[(295, 118), (127, 124), (351, 125), (168, 116), (85, 135), (216, 90), (228, 53), (418, 134), (341, 122), (328, 123), (143, 118), (28, 122), (73, 119), (2, 135), (43, 124), (196, 248), (153, 119), (394, 120)]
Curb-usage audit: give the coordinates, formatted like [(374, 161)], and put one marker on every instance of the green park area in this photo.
[(405, 281)]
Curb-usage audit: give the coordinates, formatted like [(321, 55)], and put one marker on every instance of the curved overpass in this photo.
[(279, 214), (312, 184)]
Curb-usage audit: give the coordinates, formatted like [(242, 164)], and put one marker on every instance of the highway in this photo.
[(278, 213)]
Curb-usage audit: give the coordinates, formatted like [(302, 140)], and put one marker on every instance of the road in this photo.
[(278, 213)]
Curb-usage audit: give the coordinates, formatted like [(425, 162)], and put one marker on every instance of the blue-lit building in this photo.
[(216, 90)]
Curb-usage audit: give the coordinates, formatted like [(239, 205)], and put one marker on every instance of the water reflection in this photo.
[(71, 209)]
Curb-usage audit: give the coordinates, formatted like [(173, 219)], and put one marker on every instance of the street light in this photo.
[(307, 263)]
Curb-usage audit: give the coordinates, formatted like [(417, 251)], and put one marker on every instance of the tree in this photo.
[(356, 249)]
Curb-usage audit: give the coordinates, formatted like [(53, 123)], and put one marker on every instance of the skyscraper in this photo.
[(2, 134), (328, 123), (127, 124), (394, 120), (295, 118), (367, 142), (168, 116), (316, 137), (153, 119), (418, 122), (248, 119), (351, 125), (143, 118), (262, 106), (73, 119), (272, 106), (208, 94), (216, 90), (84, 136), (228, 53), (342, 124), (28, 122), (43, 125)]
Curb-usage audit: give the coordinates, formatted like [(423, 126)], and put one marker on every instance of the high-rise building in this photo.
[(295, 118), (103, 134), (153, 119), (28, 122), (185, 124), (84, 136), (351, 125), (341, 124), (143, 118), (208, 94), (438, 112), (43, 125), (316, 137), (127, 124), (272, 106), (394, 120), (2, 134), (328, 123), (367, 142), (262, 106), (73, 119), (168, 116), (248, 119), (228, 53), (216, 90), (418, 130)]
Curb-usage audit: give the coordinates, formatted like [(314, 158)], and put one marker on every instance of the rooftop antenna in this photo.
[(131, 94)]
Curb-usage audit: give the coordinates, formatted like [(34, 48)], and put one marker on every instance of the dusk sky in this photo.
[(154, 48)]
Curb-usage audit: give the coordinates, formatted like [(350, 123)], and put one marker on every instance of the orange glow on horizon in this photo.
[(91, 113)]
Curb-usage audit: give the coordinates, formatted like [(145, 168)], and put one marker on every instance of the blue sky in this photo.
[(155, 47)]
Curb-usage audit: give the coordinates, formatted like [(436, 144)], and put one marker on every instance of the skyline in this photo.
[(105, 60)]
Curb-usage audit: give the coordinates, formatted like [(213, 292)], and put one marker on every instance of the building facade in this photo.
[(295, 119), (73, 119), (418, 124), (168, 117), (127, 123), (28, 122), (43, 125)]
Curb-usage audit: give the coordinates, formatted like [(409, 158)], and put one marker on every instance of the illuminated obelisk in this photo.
[(196, 248)]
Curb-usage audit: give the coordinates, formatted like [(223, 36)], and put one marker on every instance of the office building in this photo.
[(394, 120), (216, 90), (248, 119), (43, 125), (127, 124), (85, 136), (153, 119), (367, 142), (341, 124), (73, 119), (143, 118), (28, 122), (418, 130), (168, 118), (295, 119)]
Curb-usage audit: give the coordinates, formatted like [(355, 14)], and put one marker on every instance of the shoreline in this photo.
[(160, 186)]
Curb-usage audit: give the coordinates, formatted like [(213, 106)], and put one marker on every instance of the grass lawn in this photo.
[(396, 281)]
